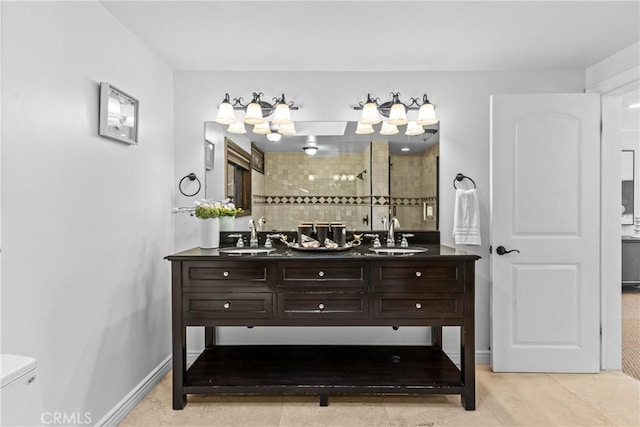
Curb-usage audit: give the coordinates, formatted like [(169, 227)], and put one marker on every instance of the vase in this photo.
[(227, 223), (209, 233)]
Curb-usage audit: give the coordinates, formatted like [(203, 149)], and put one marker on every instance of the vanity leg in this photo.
[(468, 343), (468, 369), (324, 399), (209, 336), (179, 339), (436, 336)]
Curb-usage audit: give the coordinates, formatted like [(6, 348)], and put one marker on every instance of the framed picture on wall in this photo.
[(627, 168), (118, 114)]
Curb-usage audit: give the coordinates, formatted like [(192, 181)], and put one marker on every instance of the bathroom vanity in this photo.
[(357, 287)]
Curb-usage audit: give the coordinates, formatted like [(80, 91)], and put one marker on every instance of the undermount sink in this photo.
[(240, 251), (398, 251)]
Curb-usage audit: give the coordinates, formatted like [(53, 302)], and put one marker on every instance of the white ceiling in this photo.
[(381, 35)]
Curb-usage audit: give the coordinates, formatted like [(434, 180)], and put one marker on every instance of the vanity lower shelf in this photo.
[(323, 370)]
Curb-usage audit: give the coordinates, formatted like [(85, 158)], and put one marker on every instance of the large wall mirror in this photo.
[(354, 179)]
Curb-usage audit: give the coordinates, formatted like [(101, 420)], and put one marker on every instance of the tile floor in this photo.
[(608, 398)]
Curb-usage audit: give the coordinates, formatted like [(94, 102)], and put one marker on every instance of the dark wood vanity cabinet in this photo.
[(213, 291)]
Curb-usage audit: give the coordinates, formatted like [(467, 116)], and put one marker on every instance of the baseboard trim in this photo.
[(483, 357), (119, 412)]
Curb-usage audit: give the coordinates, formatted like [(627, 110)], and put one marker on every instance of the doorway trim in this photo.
[(611, 91)]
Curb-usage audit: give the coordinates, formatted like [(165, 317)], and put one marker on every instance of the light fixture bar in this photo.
[(267, 108)]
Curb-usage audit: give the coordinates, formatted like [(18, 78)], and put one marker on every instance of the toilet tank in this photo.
[(20, 394)]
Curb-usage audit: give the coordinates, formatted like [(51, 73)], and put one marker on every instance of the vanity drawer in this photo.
[(228, 275), (421, 306), (211, 305), (325, 274), (412, 276), (323, 306)]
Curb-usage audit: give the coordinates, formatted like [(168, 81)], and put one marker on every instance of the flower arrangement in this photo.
[(216, 209)]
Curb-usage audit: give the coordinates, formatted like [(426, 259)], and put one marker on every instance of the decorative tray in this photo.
[(322, 248)]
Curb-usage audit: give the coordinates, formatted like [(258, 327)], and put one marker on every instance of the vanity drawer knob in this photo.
[(226, 305), (321, 274), (225, 274), (418, 273), (321, 306), (418, 305)]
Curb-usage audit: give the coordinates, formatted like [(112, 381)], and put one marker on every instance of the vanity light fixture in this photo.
[(394, 112), (632, 106), (256, 113)]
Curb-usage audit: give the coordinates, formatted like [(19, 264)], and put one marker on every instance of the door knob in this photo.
[(501, 250)]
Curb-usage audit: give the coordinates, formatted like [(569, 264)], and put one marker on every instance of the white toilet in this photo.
[(20, 395)]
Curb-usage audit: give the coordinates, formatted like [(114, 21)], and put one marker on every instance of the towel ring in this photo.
[(192, 177), (459, 177)]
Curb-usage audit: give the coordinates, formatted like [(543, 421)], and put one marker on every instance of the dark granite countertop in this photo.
[(359, 252)]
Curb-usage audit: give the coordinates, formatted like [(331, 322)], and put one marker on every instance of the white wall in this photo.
[(86, 220), (462, 103)]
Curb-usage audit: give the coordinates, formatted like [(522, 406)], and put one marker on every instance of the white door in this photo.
[(545, 192)]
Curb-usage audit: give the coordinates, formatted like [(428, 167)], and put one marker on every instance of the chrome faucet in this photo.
[(393, 223), (253, 241)]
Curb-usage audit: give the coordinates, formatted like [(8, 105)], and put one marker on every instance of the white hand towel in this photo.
[(466, 218)]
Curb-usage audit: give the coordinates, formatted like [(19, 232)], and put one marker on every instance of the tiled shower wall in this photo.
[(298, 188), (301, 188), (412, 188)]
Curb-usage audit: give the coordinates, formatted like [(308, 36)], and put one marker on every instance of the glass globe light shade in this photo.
[(398, 115), (262, 128), (282, 115), (310, 150), (414, 129), (364, 129), (274, 137), (237, 127), (288, 129), (427, 115), (388, 129), (370, 114), (254, 114), (226, 115)]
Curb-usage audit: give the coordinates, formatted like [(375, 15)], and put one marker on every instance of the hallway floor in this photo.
[(631, 331), (608, 398)]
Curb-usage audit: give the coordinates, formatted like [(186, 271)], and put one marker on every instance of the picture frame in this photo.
[(627, 168), (257, 158), (118, 114)]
